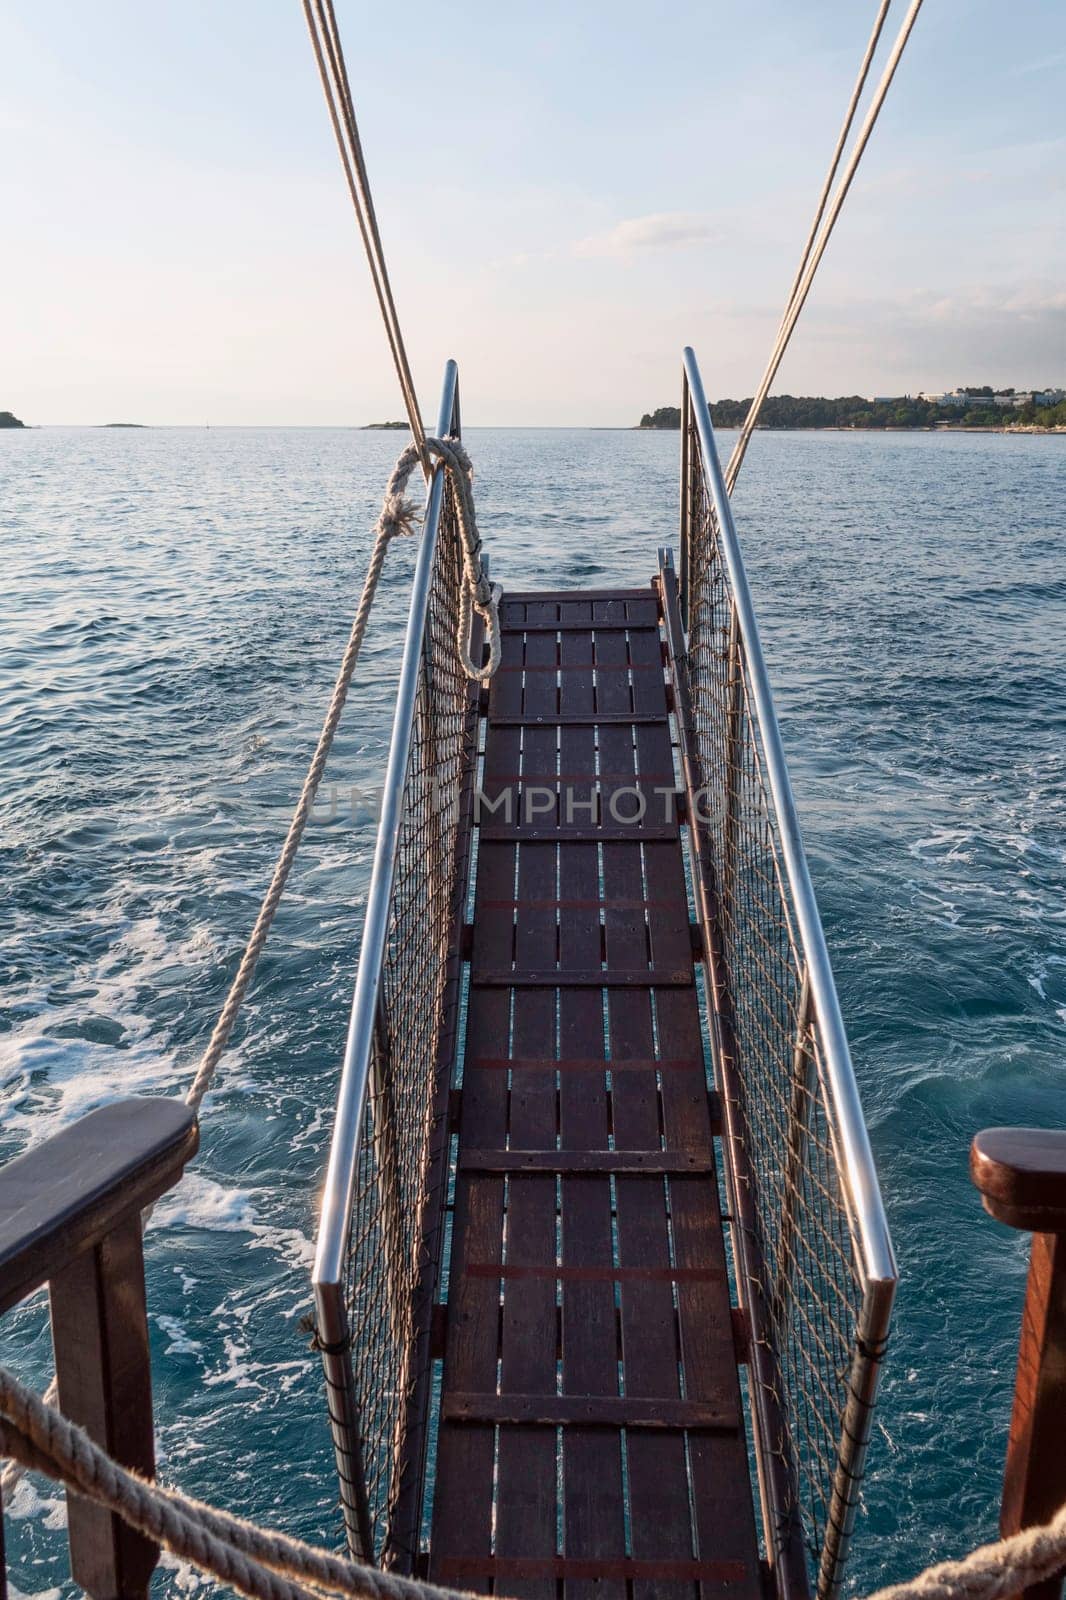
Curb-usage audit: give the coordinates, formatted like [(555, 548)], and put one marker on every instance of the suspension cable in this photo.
[(842, 138), (329, 56), (815, 250)]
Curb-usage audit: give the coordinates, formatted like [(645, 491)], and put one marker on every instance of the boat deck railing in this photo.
[(374, 1268), (813, 1265), (812, 1247)]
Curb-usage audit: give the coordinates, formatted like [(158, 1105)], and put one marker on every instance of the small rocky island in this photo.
[(8, 419), (376, 427)]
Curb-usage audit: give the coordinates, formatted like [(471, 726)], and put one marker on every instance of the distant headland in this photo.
[(376, 427), (8, 419), (1037, 410)]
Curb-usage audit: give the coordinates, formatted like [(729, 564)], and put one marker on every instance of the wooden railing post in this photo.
[(1021, 1174), (70, 1216)]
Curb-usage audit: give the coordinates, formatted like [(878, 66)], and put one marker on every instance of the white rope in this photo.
[(476, 594), (256, 1562), (813, 255), (993, 1571), (266, 1565)]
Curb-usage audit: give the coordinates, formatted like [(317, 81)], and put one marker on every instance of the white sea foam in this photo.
[(52, 1071), (200, 1202), (181, 1342)]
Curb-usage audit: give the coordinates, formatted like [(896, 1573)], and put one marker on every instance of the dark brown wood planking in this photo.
[(582, 1289)]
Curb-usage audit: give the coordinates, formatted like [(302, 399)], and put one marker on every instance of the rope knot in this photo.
[(399, 516)]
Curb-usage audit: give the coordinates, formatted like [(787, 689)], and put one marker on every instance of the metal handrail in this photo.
[(864, 1193), (874, 1262), (338, 1191)]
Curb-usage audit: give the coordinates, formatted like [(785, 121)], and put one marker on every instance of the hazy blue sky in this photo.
[(568, 194)]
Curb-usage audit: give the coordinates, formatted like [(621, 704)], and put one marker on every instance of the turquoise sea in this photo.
[(175, 603)]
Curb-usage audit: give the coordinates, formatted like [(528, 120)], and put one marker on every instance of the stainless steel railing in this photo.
[(382, 1205), (815, 1266)]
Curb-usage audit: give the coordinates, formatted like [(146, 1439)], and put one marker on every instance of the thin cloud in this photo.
[(1041, 64), (663, 230)]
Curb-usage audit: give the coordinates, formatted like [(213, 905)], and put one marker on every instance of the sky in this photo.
[(568, 193)]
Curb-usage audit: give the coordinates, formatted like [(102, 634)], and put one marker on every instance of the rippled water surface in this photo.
[(175, 604)]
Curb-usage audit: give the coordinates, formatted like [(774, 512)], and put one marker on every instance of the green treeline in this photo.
[(854, 411)]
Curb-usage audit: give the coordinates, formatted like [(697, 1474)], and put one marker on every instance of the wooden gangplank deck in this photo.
[(590, 1441)]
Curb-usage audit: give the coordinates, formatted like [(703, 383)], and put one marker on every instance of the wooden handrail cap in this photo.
[(1021, 1174), (67, 1193)]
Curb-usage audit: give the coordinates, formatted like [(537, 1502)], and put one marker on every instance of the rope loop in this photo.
[(477, 594)]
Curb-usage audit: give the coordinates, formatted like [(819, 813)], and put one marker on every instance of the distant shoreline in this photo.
[(529, 427), (844, 427), (971, 411)]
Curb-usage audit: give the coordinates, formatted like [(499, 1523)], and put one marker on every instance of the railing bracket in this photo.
[(714, 1106), (438, 1331), (742, 1335)]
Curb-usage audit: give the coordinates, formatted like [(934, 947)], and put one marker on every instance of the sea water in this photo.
[(175, 604)]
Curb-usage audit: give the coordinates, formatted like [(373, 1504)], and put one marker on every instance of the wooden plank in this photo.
[(578, 627), (591, 1411), (596, 1064), (635, 832), (718, 1468), (103, 1371), (526, 1469), (555, 949), (657, 1473), (653, 1161), (658, 1476), (601, 978), (539, 600), (567, 1272), (579, 635), (593, 1502), (551, 719), (463, 1497), (601, 1571), (66, 1194), (1021, 1176), (1021, 1173)]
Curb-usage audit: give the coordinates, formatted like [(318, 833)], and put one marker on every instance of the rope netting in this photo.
[(799, 1263)]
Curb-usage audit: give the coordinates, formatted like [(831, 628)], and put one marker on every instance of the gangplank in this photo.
[(601, 1223)]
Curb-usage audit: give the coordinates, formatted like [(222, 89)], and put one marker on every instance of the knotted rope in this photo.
[(476, 594), (265, 1565), (398, 517)]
